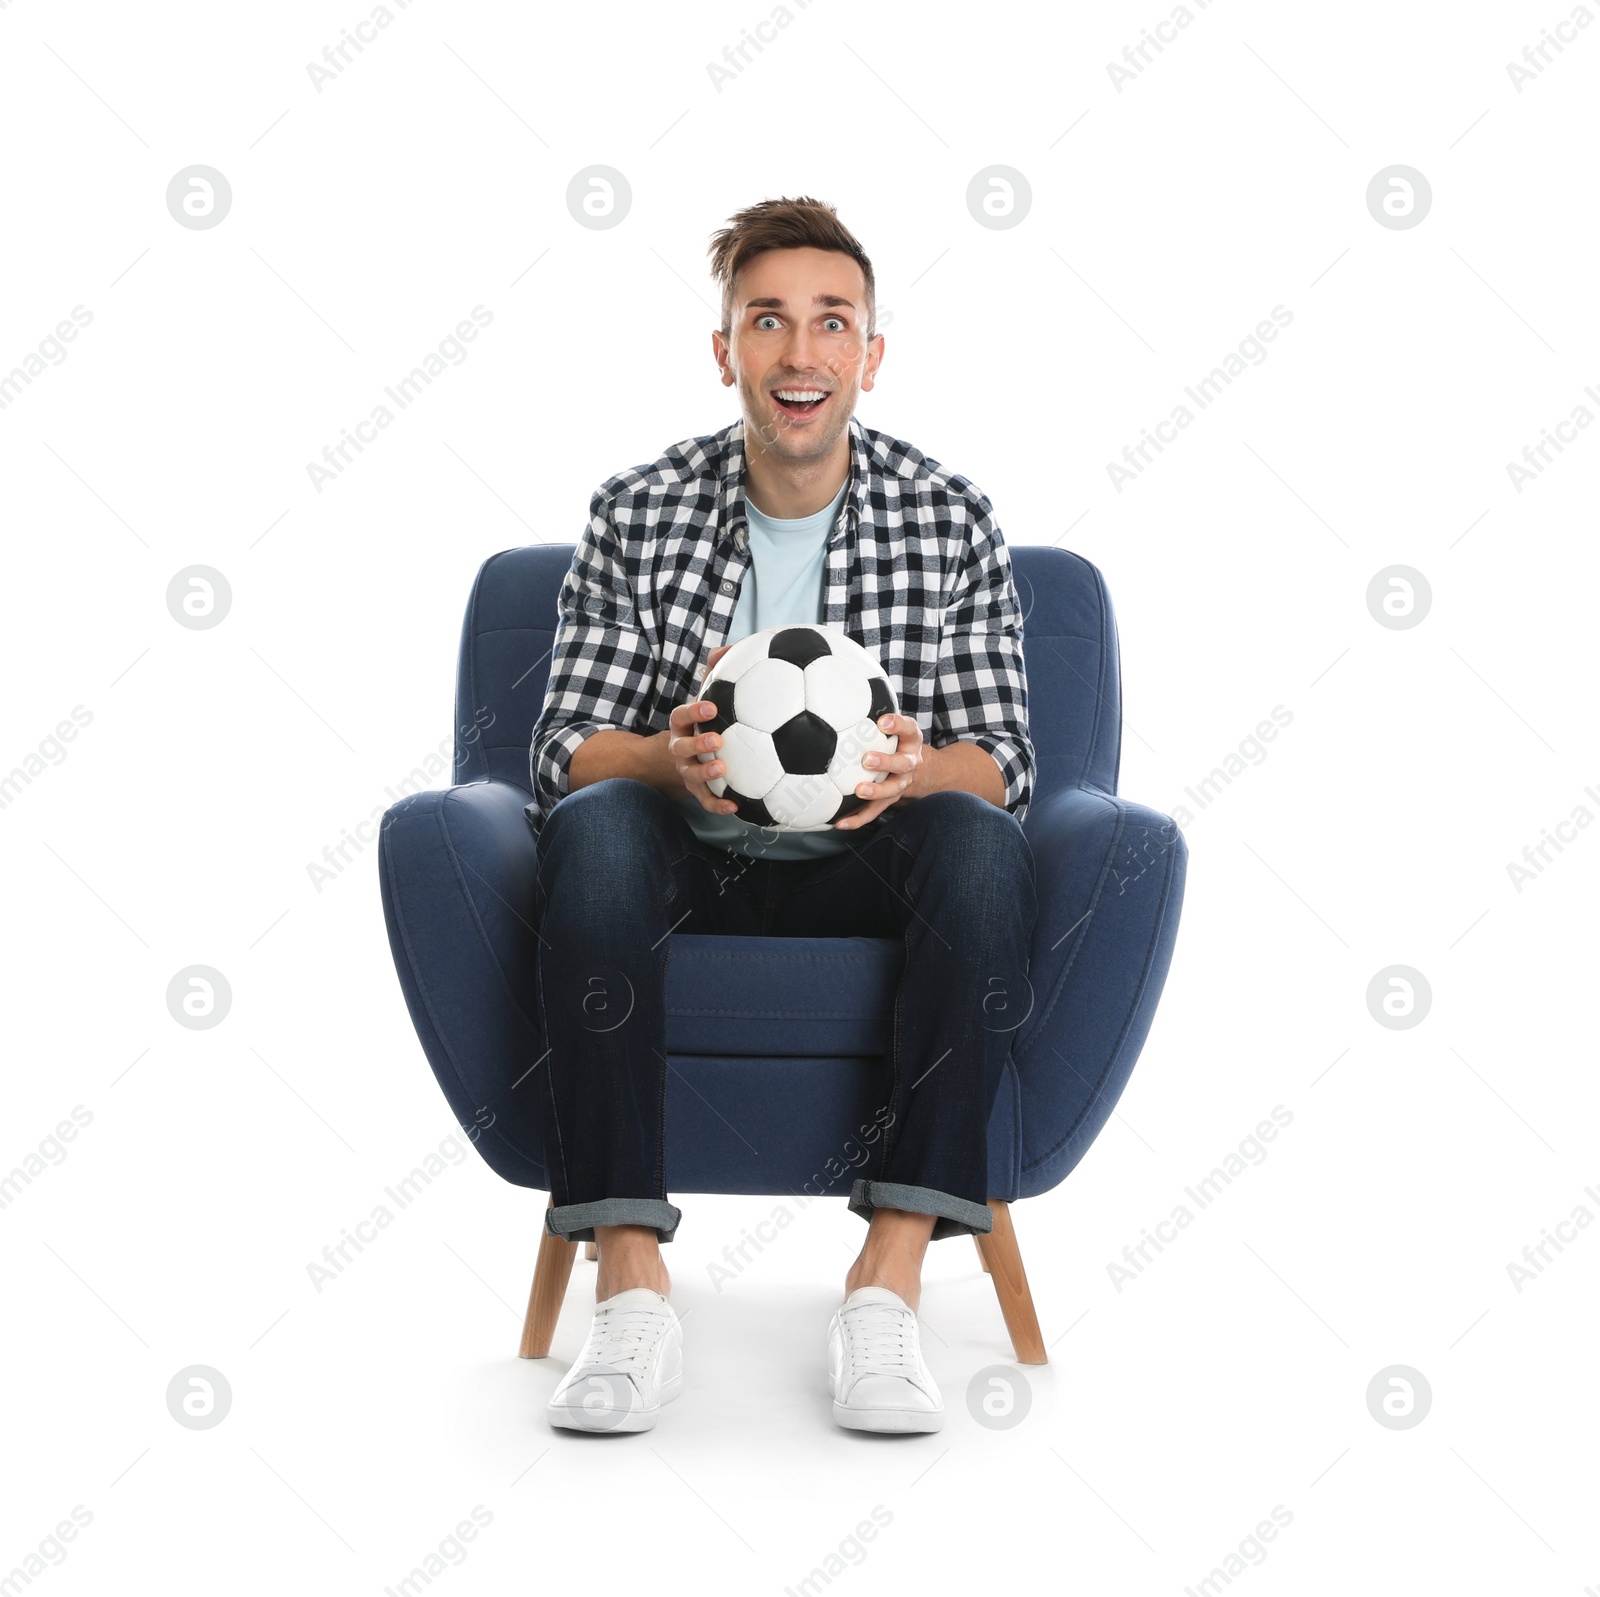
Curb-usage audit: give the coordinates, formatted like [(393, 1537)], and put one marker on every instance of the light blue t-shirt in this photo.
[(784, 584)]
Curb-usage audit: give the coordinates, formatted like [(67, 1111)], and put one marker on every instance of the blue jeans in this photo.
[(620, 869)]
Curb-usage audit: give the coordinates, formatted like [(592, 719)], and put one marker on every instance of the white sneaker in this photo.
[(631, 1365), (880, 1382)]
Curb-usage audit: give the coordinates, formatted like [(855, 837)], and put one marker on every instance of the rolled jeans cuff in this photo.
[(575, 1222), (958, 1217)]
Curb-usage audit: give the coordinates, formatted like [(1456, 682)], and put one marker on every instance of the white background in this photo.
[(1168, 217)]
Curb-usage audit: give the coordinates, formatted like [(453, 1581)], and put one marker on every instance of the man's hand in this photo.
[(683, 744), (902, 767)]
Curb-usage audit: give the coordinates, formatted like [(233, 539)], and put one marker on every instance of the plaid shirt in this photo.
[(916, 571)]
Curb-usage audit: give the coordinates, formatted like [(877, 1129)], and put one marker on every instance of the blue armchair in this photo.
[(768, 1086)]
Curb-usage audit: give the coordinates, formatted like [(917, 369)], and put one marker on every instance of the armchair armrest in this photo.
[(458, 873), (1110, 876)]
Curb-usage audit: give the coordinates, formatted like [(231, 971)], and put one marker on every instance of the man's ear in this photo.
[(720, 353), (869, 373)]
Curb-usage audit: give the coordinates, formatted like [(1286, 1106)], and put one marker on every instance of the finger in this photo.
[(685, 748), (863, 817), (881, 800), (691, 713), (889, 762)]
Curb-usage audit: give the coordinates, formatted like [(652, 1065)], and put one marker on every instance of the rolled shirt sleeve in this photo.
[(981, 693), (601, 664)]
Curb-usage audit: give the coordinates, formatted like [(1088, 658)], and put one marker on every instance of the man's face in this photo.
[(798, 327)]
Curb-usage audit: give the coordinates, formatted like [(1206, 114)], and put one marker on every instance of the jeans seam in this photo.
[(544, 1022)]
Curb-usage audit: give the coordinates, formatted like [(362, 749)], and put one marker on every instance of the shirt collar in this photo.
[(731, 502)]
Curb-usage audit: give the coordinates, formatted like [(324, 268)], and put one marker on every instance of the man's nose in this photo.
[(801, 352)]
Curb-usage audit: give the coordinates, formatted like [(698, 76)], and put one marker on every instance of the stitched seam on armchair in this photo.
[(777, 1014), (788, 959), (1133, 1009), (1100, 656), (1109, 631), (470, 651)]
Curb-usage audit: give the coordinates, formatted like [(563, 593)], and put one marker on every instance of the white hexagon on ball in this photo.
[(837, 690), (752, 754), (769, 693), (803, 803), (845, 769)]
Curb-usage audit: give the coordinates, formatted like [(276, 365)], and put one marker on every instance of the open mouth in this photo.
[(799, 401)]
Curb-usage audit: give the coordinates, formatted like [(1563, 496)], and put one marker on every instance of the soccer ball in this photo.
[(797, 708)]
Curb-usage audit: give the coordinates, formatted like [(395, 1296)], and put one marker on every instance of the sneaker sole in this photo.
[(896, 1421)]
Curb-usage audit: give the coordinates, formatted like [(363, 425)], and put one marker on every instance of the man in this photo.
[(797, 512)]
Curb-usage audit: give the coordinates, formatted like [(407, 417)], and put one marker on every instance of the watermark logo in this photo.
[(999, 1397), (604, 1397), (1535, 457), (51, 349), (199, 1397), (199, 997), (1536, 57), (48, 752), (1250, 750), (1537, 855), (48, 1151), (1399, 197), (1251, 350), (607, 1000), (1152, 41), (448, 1552), (849, 1552), (1250, 1551), (1399, 997), (999, 197), (1399, 1397), (1399, 597), (1536, 1255), (199, 597), (450, 349), (599, 197), (1137, 1256), (336, 57), (199, 197), (736, 57), (1000, 1009)]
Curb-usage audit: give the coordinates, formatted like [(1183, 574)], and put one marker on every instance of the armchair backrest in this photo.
[(1069, 639)]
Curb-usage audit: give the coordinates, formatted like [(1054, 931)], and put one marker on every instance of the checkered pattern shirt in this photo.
[(916, 571)]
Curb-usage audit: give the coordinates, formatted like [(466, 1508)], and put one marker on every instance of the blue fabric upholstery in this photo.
[(775, 1081)]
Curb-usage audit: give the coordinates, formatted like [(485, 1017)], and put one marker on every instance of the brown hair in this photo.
[(784, 224)]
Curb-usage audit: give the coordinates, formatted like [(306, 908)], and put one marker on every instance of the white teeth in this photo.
[(801, 394)]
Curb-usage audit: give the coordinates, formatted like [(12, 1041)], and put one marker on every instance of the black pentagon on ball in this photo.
[(721, 695), (882, 699), (805, 744), (849, 804), (749, 809), (799, 646)]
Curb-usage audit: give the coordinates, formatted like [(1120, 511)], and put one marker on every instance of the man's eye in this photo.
[(838, 323), (767, 318)]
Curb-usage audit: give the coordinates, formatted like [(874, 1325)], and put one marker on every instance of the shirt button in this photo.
[(727, 584)]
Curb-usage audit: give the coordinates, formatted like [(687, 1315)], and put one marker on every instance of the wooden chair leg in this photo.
[(1003, 1260), (550, 1278), (981, 1259), (590, 1252)]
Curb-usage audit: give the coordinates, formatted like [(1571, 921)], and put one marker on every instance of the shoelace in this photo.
[(623, 1338), (881, 1341)]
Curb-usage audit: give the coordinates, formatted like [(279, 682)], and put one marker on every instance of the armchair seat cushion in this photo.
[(816, 997)]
